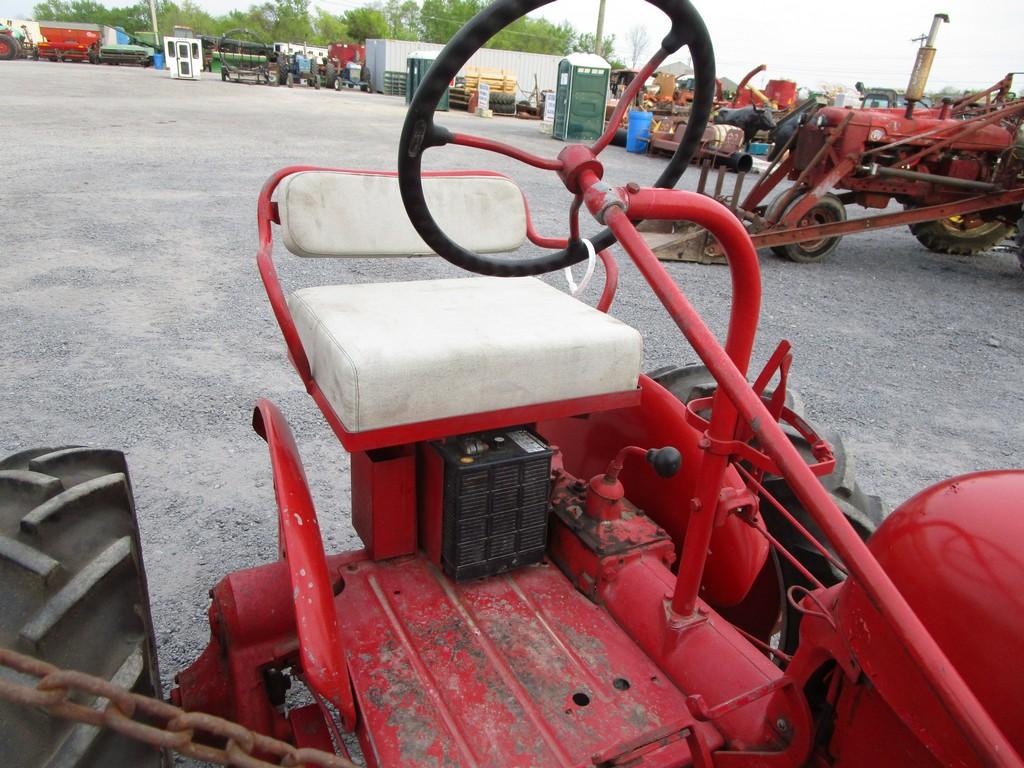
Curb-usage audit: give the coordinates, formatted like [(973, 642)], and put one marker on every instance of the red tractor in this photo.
[(566, 562), (959, 176), (16, 44), (957, 170)]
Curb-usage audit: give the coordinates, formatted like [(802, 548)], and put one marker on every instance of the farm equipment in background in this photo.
[(345, 67), (69, 41), (296, 68), (352, 75), (16, 42), (126, 53), (566, 562), (245, 59), (133, 51), (958, 171)]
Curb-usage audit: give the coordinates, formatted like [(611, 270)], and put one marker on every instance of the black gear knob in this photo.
[(666, 461)]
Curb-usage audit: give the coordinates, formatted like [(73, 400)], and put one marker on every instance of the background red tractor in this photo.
[(957, 170), (16, 44), (565, 561), (870, 158)]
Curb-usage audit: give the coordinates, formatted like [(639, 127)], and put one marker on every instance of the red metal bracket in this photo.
[(632, 752), (825, 461), (780, 361), (320, 646), (700, 710)]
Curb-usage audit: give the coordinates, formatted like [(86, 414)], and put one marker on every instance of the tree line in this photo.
[(432, 21)]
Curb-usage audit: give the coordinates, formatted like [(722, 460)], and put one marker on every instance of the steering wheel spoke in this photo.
[(479, 142), (626, 99)]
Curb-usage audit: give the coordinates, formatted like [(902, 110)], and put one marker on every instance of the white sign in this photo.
[(549, 108), (484, 102)]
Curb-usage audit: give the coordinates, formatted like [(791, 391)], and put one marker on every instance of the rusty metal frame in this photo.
[(884, 220)]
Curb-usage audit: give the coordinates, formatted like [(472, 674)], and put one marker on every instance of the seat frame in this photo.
[(267, 214)]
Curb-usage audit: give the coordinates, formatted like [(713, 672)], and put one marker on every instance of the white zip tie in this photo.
[(576, 290)]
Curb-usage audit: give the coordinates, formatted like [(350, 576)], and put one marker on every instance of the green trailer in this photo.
[(138, 55)]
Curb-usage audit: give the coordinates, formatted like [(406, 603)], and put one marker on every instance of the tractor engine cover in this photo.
[(495, 508), (949, 550), (870, 127)]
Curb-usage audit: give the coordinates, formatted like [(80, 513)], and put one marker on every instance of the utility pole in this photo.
[(152, 16), (600, 28)]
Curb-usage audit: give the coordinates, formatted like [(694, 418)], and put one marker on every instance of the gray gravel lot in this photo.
[(134, 317)]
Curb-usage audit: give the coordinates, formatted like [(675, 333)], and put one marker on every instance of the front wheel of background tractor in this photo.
[(8, 48), (828, 210), (965, 235), (74, 594), (863, 511)]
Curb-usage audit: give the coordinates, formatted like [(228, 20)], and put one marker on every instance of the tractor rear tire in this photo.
[(502, 99), (863, 511), (74, 594), (8, 48), (957, 236)]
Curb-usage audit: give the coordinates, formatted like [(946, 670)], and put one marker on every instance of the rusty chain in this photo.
[(52, 694)]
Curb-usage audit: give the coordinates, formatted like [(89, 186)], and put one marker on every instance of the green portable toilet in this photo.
[(580, 97), (417, 65)]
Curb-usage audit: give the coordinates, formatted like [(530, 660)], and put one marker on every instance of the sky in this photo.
[(814, 43), (835, 42)]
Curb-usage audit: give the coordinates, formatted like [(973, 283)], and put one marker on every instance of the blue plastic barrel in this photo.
[(158, 61), (638, 134)]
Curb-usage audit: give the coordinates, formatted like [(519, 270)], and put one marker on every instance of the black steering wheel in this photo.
[(419, 132)]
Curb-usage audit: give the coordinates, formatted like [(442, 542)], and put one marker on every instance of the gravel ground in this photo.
[(135, 318)]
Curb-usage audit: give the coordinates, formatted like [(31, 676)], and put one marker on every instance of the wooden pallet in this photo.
[(501, 80)]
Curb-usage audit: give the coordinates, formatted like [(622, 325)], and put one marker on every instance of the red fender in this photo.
[(955, 553), (320, 643)]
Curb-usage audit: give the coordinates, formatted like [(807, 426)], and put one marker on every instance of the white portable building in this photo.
[(386, 61), (184, 57)]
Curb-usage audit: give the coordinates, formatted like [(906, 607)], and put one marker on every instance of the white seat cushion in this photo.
[(386, 354), (346, 213)]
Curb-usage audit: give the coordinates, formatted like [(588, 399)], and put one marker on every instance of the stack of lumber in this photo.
[(458, 97), (500, 80)]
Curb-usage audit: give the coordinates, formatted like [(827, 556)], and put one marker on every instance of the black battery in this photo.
[(495, 514)]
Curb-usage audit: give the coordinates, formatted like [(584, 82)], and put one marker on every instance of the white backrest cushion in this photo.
[(342, 213)]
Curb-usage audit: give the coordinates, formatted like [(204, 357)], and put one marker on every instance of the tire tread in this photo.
[(75, 596)]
